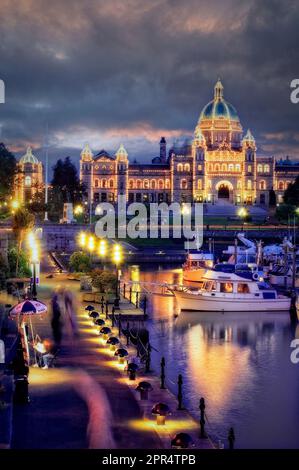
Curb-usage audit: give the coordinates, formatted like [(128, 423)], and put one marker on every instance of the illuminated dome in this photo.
[(219, 121), (219, 108), (28, 157)]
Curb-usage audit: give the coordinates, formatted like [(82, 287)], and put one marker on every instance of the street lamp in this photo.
[(102, 249), (34, 259), (82, 239), (91, 245), (242, 213), (78, 210), (117, 258)]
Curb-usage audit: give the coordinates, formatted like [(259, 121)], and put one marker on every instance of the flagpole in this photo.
[(46, 175)]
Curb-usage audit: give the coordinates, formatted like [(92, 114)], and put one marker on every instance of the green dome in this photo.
[(219, 108)]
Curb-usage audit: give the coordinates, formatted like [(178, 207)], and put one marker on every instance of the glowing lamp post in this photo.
[(242, 213), (102, 250), (82, 240), (34, 258), (78, 210), (117, 259), (91, 245)]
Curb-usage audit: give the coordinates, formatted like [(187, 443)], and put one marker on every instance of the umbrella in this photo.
[(28, 307)]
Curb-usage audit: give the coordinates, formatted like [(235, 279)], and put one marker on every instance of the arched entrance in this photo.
[(223, 191)]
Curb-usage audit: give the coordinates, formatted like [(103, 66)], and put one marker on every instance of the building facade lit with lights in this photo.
[(218, 164)]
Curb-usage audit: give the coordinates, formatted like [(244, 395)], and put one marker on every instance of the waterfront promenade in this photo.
[(86, 401)]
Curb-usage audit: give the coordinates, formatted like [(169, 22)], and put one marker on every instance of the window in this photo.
[(167, 184), (180, 167), (161, 184), (238, 167), (262, 185), (199, 167), (266, 168), (249, 184), (111, 183), (104, 183), (145, 184), (281, 185), (223, 167), (230, 167), (260, 168), (243, 288), (249, 169), (199, 184), (184, 184), (27, 180), (138, 184), (187, 167), (153, 184), (226, 287), (131, 184), (239, 185), (96, 183)]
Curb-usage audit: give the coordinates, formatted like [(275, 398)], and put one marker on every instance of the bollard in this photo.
[(130, 294), (124, 293), (180, 392), (137, 299), (144, 305), (148, 358), (107, 310), (202, 422), (112, 319), (162, 376), (231, 438)]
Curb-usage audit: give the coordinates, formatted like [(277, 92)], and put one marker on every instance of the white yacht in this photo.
[(196, 265), (231, 292)]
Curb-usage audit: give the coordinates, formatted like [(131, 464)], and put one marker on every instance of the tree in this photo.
[(8, 168), (18, 262), (80, 262), (291, 194), (23, 221), (66, 181)]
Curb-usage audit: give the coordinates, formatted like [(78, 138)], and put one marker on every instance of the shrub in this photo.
[(80, 262), (104, 281)]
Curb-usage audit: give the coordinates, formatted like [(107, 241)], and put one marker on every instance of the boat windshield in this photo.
[(209, 286)]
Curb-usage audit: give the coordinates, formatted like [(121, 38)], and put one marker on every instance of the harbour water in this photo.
[(239, 362)]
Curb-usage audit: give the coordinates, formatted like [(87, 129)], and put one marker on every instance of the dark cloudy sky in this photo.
[(130, 71)]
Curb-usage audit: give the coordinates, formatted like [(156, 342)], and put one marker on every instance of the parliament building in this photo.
[(218, 164)]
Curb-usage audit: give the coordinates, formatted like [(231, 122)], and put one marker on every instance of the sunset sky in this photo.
[(129, 71)]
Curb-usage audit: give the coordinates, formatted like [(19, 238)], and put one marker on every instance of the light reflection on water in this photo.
[(239, 362)]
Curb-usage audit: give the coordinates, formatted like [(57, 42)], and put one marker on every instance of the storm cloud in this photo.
[(129, 71)]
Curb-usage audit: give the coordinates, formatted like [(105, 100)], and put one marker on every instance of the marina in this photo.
[(233, 360)]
